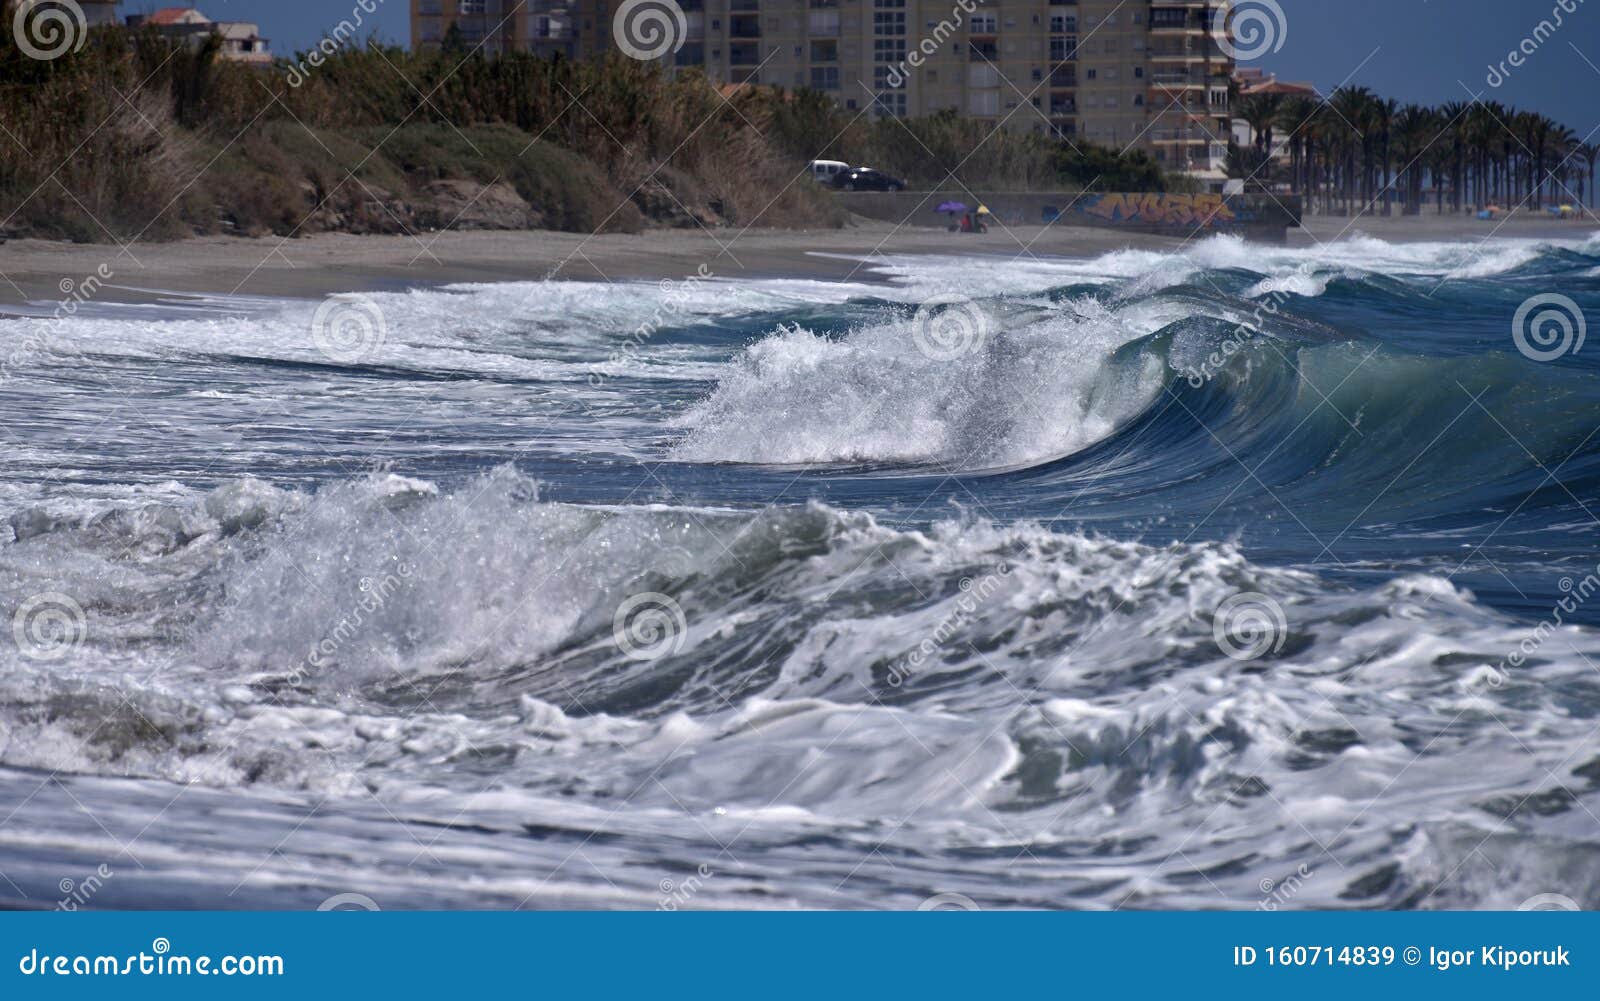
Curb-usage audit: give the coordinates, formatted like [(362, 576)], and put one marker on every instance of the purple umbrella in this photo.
[(952, 207)]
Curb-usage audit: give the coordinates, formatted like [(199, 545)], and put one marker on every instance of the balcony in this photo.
[(982, 75), (824, 23)]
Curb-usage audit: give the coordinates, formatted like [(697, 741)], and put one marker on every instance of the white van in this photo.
[(823, 171)]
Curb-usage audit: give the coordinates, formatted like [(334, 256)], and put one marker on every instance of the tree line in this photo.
[(1358, 152)]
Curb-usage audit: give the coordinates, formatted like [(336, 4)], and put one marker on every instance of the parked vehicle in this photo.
[(867, 179), (824, 171)]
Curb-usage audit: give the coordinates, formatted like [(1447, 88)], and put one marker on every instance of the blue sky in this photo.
[(1427, 51)]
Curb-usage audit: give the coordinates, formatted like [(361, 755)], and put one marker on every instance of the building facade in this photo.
[(1144, 74), (241, 41)]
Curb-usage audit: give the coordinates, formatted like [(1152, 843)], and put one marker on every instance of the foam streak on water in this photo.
[(1168, 578)]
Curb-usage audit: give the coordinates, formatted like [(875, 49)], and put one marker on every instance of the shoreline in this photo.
[(34, 271)]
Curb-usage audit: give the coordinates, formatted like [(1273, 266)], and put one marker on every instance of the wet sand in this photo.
[(38, 271), (34, 270)]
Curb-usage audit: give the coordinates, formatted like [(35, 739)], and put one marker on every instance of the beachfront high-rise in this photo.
[(1121, 73)]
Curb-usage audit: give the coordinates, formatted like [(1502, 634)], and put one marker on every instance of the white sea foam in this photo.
[(1031, 386)]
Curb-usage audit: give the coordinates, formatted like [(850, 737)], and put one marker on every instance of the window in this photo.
[(888, 24), (825, 77), (881, 80), (1064, 23), (1138, 72), (471, 7), (824, 22), (983, 102), (892, 103), (1089, 74), (1062, 49), (983, 24), (1138, 100), (889, 50), (826, 51)]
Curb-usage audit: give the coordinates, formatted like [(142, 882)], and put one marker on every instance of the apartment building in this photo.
[(548, 27), (1146, 74)]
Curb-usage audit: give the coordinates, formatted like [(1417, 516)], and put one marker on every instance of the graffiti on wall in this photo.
[(1161, 209)]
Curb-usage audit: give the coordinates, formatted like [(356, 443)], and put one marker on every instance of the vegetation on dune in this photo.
[(136, 136), (1359, 152)]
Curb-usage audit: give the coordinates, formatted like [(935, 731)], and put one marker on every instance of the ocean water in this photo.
[(1229, 577)]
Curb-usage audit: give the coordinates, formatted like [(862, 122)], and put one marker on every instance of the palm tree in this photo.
[(1587, 153), (1453, 114), (1381, 113), (1414, 130), (1296, 118), (1260, 111)]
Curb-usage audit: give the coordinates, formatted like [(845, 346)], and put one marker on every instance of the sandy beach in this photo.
[(38, 271)]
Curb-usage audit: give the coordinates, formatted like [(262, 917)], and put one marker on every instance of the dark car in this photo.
[(866, 179)]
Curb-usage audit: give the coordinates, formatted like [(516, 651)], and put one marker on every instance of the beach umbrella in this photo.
[(951, 207)]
